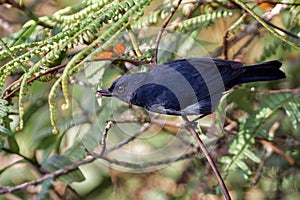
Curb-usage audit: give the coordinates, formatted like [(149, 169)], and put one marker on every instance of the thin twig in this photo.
[(67, 169), (262, 21), (225, 37), (142, 165), (225, 45), (133, 61), (283, 30), (208, 157), (56, 68), (134, 43), (108, 126), (8, 96), (292, 91), (124, 142), (246, 44), (29, 14), (249, 30), (147, 126), (158, 38), (8, 189)]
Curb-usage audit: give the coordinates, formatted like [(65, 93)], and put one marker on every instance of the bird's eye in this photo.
[(120, 88)]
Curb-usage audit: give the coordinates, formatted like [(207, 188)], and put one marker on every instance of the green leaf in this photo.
[(251, 155), (46, 186), (76, 151), (57, 162), (5, 131), (225, 159), (13, 145), (244, 174), (292, 110), (243, 143), (110, 74), (23, 34), (242, 98)]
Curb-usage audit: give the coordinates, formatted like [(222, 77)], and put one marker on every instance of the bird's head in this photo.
[(124, 87)]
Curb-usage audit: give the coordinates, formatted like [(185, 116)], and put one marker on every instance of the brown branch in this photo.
[(278, 151), (158, 38), (9, 189), (189, 154), (67, 169), (133, 61), (292, 91), (166, 161), (246, 44), (56, 68), (261, 166), (225, 45), (9, 95), (249, 30), (27, 12), (108, 126), (208, 157), (283, 30)]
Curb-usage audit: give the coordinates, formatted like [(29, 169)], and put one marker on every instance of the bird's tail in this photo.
[(266, 71)]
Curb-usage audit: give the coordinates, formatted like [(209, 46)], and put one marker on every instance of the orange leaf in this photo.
[(120, 48), (104, 54)]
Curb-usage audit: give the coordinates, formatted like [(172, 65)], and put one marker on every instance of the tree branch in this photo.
[(249, 30), (208, 157), (262, 21), (158, 38), (29, 14)]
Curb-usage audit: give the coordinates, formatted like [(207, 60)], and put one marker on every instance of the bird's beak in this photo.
[(105, 93)]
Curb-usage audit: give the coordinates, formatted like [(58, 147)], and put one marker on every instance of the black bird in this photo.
[(188, 86)]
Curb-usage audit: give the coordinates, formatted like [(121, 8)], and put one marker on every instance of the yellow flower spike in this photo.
[(21, 104), (52, 116), (52, 108), (55, 131), (65, 90), (65, 106)]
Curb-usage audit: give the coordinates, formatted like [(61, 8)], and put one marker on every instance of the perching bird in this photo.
[(188, 86)]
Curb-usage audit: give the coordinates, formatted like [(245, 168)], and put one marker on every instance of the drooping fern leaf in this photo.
[(203, 21), (243, 143), (90, 23), (5, 111), (292, 110), (278, 47)]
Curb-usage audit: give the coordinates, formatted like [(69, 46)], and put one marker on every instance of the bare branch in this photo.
[(249, 30), (158, 38), (209, 158)]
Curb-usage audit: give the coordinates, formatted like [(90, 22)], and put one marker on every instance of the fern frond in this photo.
[(5, 111), (292, 110), (152, 18), (122, 13), (243, 144), (203, 21)]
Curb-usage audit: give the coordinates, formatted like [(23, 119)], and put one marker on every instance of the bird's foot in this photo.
[(191, 124)]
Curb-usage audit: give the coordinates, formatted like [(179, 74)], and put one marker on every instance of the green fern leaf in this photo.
[(292, 110), (241, 147)]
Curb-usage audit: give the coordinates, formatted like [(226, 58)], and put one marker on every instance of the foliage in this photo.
[(53, 129), (243, 144)]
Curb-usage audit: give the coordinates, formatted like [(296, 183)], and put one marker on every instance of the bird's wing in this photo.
[(208, 67), (204, 75), (196, 80)]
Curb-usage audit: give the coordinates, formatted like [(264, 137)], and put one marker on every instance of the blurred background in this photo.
[(53, 50)]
